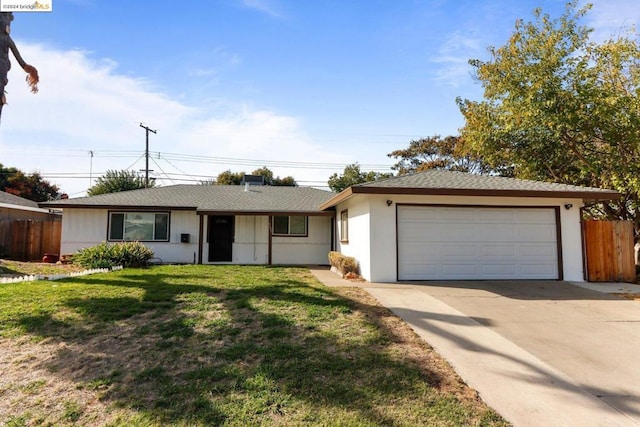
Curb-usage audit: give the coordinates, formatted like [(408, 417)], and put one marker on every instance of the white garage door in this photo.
[(472, 243)]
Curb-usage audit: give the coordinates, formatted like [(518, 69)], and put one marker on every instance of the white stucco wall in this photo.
[(82, 228), (372, 230), (174, 251), (251, 242), (359, 243), (313, 249)]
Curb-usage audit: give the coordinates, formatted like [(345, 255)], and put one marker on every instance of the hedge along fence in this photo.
[(343, 264)]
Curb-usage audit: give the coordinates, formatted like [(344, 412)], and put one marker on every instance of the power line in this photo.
[(162, 170), (180, 170), (133, 164), (191, 177), (262, 162), (191, 158)]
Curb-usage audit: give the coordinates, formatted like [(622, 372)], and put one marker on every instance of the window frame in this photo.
[(288, 233), (344, 226), (155, 214)]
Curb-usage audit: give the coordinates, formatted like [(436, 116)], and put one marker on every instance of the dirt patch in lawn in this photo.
[(27, 382), (10, 268)]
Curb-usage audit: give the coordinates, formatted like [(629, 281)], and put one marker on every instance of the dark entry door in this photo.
[(220, 238)]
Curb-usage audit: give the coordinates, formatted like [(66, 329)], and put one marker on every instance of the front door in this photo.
[(220, 234)]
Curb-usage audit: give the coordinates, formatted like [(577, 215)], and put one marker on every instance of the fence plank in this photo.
[(35, 240), (609, 251), (625, 252), (5, 237), (29, 240), (607, 242), (18, 239)]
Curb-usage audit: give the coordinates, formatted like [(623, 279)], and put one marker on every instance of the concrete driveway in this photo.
[(541, 353)]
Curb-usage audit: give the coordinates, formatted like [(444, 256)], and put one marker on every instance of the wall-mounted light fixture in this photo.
[(568, 206), (389, 202)]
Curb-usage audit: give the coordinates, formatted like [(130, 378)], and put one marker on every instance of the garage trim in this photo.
[(556, 210)]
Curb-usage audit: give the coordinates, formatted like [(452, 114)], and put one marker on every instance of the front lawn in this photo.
[(217, 345)]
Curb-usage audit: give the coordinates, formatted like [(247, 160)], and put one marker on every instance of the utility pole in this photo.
[(146, 155), (91, 169)]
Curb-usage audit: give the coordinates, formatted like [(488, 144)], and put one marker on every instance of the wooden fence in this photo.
[(29, 239), (609, 251)]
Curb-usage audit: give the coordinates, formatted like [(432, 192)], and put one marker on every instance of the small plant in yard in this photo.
[(105, 255), (198, 345), (342, 263)]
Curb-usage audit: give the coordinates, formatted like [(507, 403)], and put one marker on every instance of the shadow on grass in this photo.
[(206, 349)]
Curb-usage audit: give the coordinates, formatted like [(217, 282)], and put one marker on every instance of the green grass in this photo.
[(219, 345)]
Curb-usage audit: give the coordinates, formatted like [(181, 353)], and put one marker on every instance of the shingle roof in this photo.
[(12, 199), (208, 198), (468, 181), (438, 182)]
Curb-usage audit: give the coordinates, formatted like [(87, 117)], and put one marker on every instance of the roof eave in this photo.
[(263, 212), (584, 195), (114, 207), (337, 199), (26, 208)]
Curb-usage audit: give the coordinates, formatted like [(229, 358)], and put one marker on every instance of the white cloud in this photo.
[(607, 18), (610, 19), (85, 105), (264, 6), (453, 57), (221, 56)]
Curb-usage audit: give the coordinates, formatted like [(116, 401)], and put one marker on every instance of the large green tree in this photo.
[(228, 178), (436, 152), (558, 106), (114, 181), (269, 179), (29, 186), (352, 175)]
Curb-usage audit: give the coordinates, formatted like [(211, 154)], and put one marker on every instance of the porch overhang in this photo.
[(270, 214)]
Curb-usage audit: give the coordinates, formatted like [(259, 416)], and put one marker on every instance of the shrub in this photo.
[(105, 255), (344, 264)]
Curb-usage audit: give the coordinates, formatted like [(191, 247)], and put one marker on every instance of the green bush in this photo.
[(344, 264), (105, 255)]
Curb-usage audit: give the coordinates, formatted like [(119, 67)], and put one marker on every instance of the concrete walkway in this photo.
[(539, 353)]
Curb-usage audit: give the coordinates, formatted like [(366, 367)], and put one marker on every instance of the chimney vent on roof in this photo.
[(246, 186)]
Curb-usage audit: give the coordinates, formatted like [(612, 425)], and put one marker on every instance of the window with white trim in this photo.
[(344, 226), (139, 226), (290, 225)]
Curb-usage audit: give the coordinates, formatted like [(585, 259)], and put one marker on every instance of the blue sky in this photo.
[(303, 87)]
